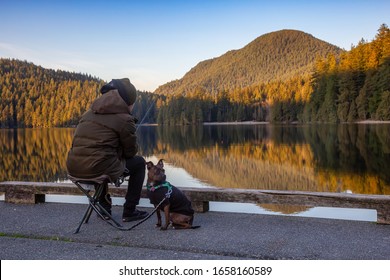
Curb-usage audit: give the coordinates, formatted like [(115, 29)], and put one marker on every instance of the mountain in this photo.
[(276, 56)]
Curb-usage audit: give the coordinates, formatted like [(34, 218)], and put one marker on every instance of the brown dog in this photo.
[(176, 206)]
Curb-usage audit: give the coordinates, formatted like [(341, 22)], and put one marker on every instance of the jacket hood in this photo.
[(110, 103), (126, 89)]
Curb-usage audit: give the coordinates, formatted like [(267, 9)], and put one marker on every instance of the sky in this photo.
[(155, 42)]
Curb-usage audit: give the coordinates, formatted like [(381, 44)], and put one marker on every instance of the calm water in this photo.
[(322, 158)]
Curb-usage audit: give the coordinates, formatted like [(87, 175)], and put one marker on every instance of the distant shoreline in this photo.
[(293, 123), (229, 123), (237, 123), (372, 122), (263, 123)]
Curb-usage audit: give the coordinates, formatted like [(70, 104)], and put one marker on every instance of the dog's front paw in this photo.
[(164, 227), (158, 225)]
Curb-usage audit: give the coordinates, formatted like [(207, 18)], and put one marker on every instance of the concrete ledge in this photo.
[(34, 192)]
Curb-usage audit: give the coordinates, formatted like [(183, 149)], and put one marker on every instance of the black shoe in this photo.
[(104, 215), (134, 216)]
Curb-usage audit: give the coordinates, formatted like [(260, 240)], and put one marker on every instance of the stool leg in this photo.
[(97, 204), (94, 200), (87, 213), (108, 214), (93, 204)]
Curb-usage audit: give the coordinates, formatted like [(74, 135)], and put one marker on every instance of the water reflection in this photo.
[(334, 158), (34, 154), (331, 158)]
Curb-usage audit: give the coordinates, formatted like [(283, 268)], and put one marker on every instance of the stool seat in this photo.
[(96, 180)]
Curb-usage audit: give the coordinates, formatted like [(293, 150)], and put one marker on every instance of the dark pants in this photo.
[(136, 170)]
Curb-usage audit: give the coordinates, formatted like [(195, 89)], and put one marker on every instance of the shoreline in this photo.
[(372, 122), (229, 123), (267, 123), (237, 123)]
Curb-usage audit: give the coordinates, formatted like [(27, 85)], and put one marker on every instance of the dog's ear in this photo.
[(149, 165), (160, 163)]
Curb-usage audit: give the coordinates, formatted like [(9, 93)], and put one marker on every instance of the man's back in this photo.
[(104, 137)]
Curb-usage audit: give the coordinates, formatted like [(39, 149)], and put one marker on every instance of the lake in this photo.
[(352, 158)]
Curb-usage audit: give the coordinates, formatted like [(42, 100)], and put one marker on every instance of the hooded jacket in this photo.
[(104, 138)]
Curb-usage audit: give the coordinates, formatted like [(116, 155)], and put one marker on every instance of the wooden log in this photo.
[(27, 196), (33, 192), (383, 215)]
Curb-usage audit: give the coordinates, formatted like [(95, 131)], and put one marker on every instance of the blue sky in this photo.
[(154, 42)]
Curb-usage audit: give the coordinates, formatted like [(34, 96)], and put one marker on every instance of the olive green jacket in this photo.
[(104, 138)]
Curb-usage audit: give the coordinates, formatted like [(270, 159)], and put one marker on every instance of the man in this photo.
[(105, 143)]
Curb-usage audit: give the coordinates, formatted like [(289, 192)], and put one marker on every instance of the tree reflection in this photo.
[(334, 158), (34, 154)]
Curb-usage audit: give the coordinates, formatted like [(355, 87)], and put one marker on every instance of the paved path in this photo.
[(45, 231)]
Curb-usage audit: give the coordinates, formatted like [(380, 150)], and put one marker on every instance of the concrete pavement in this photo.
[(45, 232)]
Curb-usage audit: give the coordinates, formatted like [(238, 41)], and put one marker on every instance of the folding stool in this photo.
[(99, 183)]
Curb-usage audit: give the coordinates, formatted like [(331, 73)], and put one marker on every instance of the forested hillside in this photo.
[(276, 56), (356, 87), (32, 96)]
